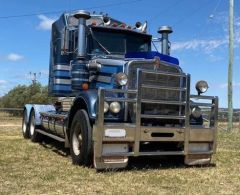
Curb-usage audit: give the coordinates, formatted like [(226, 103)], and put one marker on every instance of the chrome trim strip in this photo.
[(61, 67), (165, 73), (120, 100), (163, 117), (164, 87), (79, 72), (50, 135), (163, 102), (203, 97), (207, 152), (62, 81), (80, 79), (202, 104), (121, 91), (104, 79), (100, 125), (138, 113), (187, 114)]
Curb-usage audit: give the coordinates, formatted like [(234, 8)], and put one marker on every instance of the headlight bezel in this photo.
[(121, 79), (115, 107), (196, 112), (201, 87)]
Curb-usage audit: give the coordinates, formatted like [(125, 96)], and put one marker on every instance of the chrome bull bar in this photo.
[(99, 127)]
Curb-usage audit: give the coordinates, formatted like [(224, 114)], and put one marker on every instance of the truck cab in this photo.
[(117, 98)]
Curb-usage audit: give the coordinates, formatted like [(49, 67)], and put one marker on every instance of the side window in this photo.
[(89, 44), (73, 39)]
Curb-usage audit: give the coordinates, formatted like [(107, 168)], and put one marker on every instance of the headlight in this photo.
[(121, 78), (106, 107), (115, 107), (201, 87), (196, 112)]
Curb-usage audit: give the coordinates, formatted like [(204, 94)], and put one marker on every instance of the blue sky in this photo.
[(200, 38)]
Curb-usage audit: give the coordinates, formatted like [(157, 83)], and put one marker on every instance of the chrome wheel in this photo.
[(25, 126), (77, 140), (81, 139), (32, 125)]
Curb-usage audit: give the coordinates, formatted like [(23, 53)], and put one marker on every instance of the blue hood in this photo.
[(151, 55)]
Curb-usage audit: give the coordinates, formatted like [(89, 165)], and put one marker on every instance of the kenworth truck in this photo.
[(116, 98)]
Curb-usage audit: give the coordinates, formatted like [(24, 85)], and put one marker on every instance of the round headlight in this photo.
[(106, 107), (196, 112), (201, 87), (115, 107), (121, 78)]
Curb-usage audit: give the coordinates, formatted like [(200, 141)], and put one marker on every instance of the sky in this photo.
[(199, 40)]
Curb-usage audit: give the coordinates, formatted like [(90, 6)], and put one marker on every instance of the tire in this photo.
[(81, 139), (25, 125), (34, 136)]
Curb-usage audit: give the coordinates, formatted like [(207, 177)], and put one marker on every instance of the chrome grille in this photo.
[(150, 65), (165, 87)]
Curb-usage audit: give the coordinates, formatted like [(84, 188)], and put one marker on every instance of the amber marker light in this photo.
[(114, 24), (94, 23), (85, 86), (123, 25)]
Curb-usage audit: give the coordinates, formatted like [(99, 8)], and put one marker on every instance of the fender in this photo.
[(89, 98), (84, 100), (37, 108)]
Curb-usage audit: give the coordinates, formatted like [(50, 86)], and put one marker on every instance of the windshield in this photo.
[(118, 41)]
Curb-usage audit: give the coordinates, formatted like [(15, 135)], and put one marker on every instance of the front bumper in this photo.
[(196, 140)]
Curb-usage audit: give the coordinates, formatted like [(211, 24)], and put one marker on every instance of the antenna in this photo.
[(34, 76)]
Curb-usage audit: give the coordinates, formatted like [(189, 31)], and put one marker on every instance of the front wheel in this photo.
[(81, 139)]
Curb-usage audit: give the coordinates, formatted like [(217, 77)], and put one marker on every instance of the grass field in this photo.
[(29, 168)]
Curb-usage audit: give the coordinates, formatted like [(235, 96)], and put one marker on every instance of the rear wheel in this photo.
[(25, 125), (81, 139), (34, 136)]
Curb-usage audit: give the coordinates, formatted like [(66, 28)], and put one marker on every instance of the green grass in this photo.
[(30, 168), (9, 119)]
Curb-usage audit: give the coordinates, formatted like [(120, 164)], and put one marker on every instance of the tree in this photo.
[(22, 94)]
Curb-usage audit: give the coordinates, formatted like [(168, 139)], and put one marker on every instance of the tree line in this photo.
[(23, 94)]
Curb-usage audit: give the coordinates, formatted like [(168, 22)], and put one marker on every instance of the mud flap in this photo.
[(197, 159), (104, 163)]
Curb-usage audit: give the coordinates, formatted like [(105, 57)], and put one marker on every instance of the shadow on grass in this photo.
[(55, 146), (150, 162), (135, 163), (162, 162)]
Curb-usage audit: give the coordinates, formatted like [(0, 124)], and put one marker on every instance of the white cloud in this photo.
[(225, 85), (45, 22), (2, 82), (219, 21), (206, 45), (14, 57)]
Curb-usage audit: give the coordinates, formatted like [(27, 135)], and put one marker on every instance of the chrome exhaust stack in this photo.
[(164, 31), (82, 16)]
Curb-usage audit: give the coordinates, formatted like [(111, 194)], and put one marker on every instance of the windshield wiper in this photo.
[(94, 38)]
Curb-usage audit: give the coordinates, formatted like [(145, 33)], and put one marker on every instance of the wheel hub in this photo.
[(77, 143)]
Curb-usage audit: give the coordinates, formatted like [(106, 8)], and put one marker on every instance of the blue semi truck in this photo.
[(116, 98)]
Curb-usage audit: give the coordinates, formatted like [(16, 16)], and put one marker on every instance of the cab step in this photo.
[(60, 139)]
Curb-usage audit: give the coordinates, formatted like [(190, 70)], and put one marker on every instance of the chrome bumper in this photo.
[(136, 133)]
